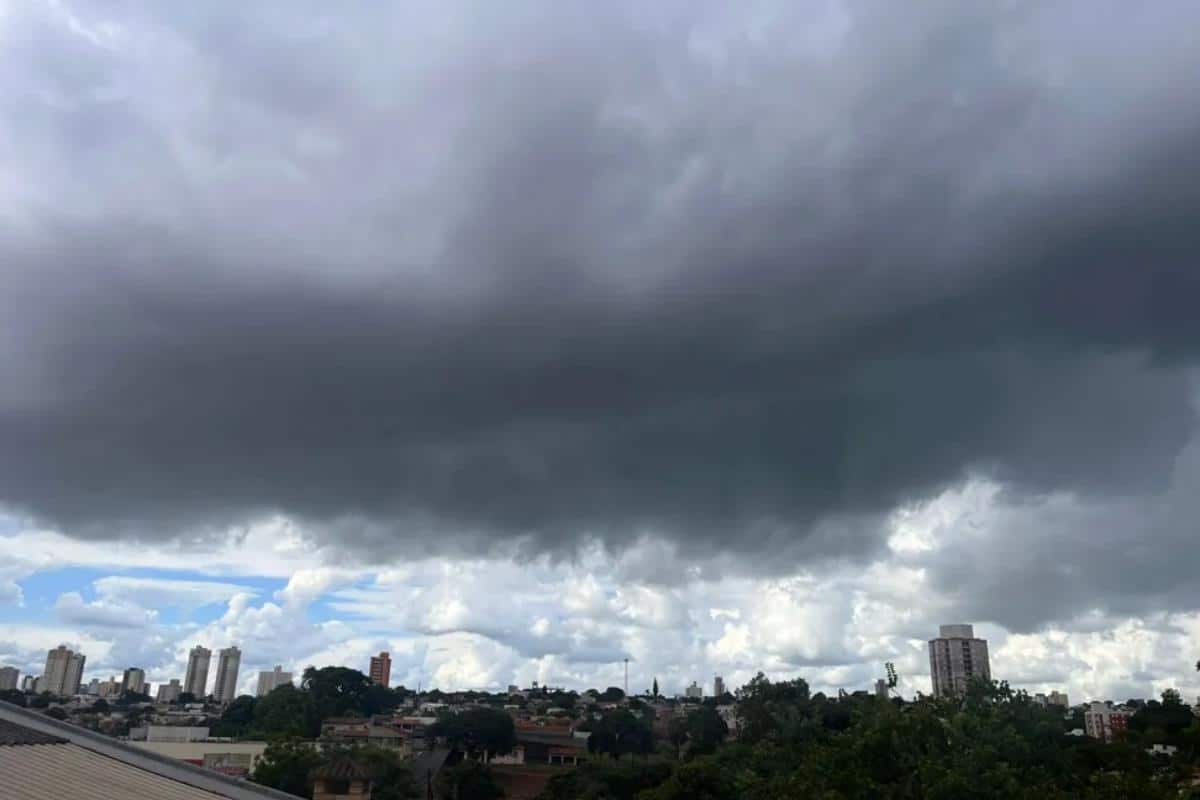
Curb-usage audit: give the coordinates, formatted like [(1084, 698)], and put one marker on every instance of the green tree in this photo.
[(654, 689), (337, 691), (611, 695), (478, 731), (14, 696), (236, 718), (677, 733), (288, 712), (390, 776), (772, 711), (620, 732), (602, 781), (706, 731), (286, 765), (469, 780)]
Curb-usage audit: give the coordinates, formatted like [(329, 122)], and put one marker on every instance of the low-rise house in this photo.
[(551, 747), (352, 731), (170, 733), (517, 756), (411, 724)]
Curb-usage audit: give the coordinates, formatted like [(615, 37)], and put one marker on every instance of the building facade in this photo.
[(718, 686), (134, 680), (1052, 699), (74, 677), (228, 662), (8, 678), (63, 672), (270, 681), (1105, 722), (693, 692), (956, 658), (169, 692), (381, 669), (195, 680)]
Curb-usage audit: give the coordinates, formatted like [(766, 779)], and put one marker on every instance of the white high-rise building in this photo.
[(270, 681), (55, 672), (63, 672), (694, 692), (195, 680), (134, 680), (228, 661), (29, 683), (718, 686), (74, 677), (8, 678), (955, 658)]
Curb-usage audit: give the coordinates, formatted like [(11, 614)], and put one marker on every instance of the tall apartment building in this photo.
[(955, 658), (1105, 722), (63, 672), (694, 692), (270, 681), (134, 680), (195, 680), (381, 668), (169, 692), (74, 676), (718, 686), (30, 683), (8, 678), (1053, 699), (228, 661)]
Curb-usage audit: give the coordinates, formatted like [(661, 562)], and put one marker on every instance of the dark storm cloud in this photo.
[(551, 274)]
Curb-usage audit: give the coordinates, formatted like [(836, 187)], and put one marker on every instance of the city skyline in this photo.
[(956, 657), (516, 341)]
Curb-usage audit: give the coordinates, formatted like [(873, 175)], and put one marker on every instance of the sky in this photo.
[(520, 339)]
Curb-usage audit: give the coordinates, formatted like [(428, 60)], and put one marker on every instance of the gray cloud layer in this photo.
[(546, 272)]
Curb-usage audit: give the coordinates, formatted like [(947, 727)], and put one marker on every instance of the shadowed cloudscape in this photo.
[(463, 277)]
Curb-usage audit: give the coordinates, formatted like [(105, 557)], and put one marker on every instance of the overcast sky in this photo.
[(520, 338)]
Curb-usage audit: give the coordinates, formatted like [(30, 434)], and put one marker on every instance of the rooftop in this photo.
[(44, 759)]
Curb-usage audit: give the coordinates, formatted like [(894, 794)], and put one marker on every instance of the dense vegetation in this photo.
[(289, 765), (297, 712), (995, 744)]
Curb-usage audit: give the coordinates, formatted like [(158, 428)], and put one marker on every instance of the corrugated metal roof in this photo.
[(68, 771), (13, 734), (26, 769)]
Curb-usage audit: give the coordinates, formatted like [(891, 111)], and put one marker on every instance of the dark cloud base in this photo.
[(615, 334)]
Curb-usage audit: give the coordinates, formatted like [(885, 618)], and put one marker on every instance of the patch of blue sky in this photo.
[(42, 589)]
